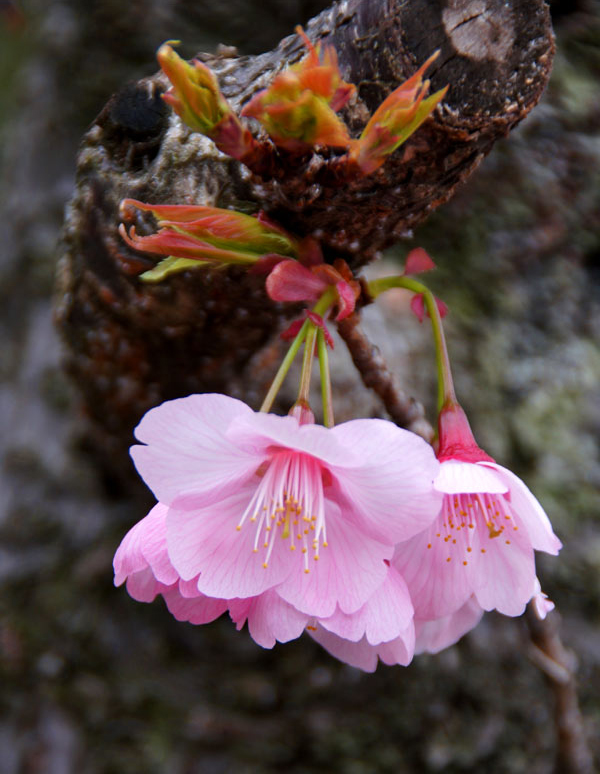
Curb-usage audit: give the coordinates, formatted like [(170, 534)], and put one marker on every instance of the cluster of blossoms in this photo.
[(359, 534)]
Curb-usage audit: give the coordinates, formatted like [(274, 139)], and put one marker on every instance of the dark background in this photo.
[(92, 682)]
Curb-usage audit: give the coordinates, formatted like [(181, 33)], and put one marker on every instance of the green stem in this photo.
[(445, 381), (307, 363), (326, 395), (322, 305), (285, 367)]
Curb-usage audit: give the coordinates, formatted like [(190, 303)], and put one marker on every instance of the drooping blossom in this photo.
[(287, 525), (482, 543)]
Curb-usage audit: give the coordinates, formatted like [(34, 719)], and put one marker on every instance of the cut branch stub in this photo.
[(132, 345)]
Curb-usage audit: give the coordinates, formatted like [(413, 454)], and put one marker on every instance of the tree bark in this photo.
[(131, 345)]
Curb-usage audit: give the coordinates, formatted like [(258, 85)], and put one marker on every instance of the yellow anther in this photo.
[(292, 548), (315, 557), (325, 544), (307, 570), (265, 565), (483, 550), (239, 527)]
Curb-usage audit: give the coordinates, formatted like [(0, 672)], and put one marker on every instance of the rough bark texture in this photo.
[(133, 346), (95, 683)]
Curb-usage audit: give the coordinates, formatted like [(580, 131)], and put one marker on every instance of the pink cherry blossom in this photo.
[(286, 525), (483, 541)]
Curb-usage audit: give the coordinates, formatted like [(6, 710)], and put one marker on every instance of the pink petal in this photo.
[(360, 654), (207, 542), (399, 651), (504, 577), (457, 477), (525, 505), (188, 453), (143, 586), (437, 586), (347, 573), (389, 493), (270, 619), (433, 636), (418, 261), (199, 610), (189, 588), (387, 614), (357, 654), (144, 546), (290, 281), (258, 432)]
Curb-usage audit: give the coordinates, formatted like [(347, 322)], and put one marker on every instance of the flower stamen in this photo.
[(290, 493)]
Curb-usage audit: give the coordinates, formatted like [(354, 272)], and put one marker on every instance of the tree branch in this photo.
[(131, 345), (573, 755)]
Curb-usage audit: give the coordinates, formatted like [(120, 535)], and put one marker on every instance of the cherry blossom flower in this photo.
[(483, 541), (287, 525)]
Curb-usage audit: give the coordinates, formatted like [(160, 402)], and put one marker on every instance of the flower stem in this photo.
[(307, 362), (325, 301), (326, 395), (285, 367), (445, 381)]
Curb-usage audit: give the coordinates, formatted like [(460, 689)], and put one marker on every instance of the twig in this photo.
[(547, 651), (404, 410)]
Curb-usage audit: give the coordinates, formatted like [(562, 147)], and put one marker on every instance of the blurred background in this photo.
[(92, 682)]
